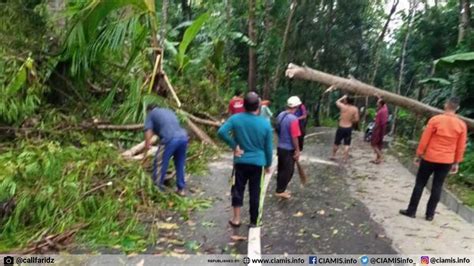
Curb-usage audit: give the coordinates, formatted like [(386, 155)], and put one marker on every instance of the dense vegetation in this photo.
[(64, 64)]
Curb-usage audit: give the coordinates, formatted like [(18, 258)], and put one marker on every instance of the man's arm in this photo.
[(304, 112), (224, 134), (461, 147), (356, 115), (148, 129), (269, 147), (148, 136), (425, 138), (295, 133), (339, 102)]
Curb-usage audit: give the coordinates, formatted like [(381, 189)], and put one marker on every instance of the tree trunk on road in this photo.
[(357, 87)]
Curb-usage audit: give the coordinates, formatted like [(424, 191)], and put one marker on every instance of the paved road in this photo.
[(349, 209), (322, 217)]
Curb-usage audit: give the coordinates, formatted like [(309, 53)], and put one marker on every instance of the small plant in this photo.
[(58, 188)]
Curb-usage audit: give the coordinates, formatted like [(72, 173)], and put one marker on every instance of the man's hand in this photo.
[(297, 155), (454, 169), (268, 170), (416, 161), (238, 152)]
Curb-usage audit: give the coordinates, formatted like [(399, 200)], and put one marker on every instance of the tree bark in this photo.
[(164, 20), (200, 133), (276, 75), (401, 76), (376, 53), (464, 19), (357, 87), (252, 74)]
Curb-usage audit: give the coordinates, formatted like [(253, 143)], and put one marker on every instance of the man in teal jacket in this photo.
[(251, 138)]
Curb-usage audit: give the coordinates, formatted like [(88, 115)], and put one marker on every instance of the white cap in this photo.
[(293, 101)]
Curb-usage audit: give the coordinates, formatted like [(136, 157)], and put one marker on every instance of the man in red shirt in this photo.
[(439, 152), (236, 104), (381, 121)]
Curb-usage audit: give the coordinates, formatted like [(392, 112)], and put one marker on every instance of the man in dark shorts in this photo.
[(349, 114)]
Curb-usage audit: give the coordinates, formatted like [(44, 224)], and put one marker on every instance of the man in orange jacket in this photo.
[(439, 152)]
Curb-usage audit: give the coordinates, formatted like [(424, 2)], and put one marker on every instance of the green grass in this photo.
[(53, 186)]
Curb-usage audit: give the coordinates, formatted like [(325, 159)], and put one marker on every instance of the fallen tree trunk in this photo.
[(131, 127), (358, 87), (199, 133), (137, 148), (201, 121)]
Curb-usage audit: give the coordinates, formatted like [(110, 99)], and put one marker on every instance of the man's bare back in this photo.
[(349, 113), (349, 116)]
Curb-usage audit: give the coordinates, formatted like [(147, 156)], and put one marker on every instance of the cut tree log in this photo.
[(358, 87), (150, 153), (137, 148)]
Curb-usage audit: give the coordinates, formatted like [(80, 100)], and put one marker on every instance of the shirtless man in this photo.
[(348, 116)]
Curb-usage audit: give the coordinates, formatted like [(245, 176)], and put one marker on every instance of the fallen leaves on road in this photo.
[(321, 212), (298, 214), (315, 236), (167, 226)]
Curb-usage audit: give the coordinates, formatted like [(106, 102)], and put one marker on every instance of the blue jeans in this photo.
[(175, 148)]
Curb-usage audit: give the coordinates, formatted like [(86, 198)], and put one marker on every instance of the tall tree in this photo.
[(252, 71), (276, 75), (464, 19), (376, 52), (401, 75)]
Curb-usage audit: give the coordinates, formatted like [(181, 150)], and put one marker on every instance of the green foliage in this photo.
[(58, 187), (22, 95), (461, 60), (188, 37), (99, 31)]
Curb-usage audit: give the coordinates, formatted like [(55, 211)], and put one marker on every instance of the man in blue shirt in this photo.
[(164, 123), (251, 138), (289, 131)]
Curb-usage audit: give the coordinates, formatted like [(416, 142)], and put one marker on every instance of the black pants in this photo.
[(254, 174), (424, 172), (286, 168)]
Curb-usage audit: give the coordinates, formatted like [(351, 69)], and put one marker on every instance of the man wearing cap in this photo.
[(251, 137), (288, 130), (440, 151)]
